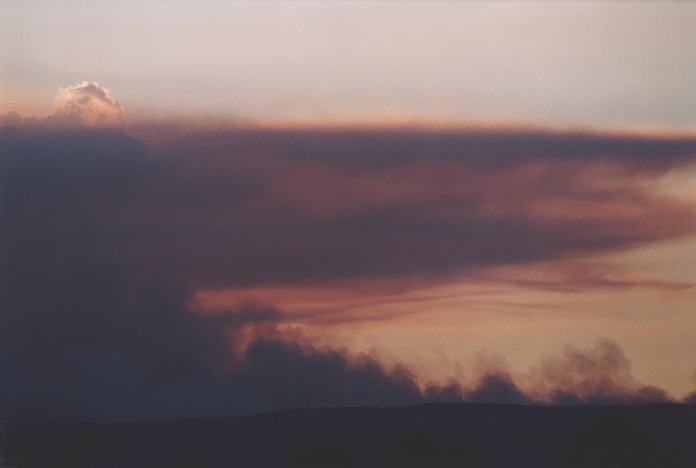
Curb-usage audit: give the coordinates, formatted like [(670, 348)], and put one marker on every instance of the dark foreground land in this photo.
[(433, 435)]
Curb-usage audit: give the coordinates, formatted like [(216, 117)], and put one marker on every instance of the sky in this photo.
[(562, 63), (216, 208)]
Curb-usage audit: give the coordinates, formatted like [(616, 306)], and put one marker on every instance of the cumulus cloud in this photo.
[(89, 104), (691, 398), (11, 119), (497, 388), (105, 242), (599, 375)]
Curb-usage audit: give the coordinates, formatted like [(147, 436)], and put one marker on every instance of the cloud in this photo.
[(244, 208), (106, 240), (497, 388), (600, 375), (10, 119), (264, 207), (103, 340), (87, 104), (691, 397)]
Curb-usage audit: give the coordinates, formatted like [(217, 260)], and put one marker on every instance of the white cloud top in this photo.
[(89, 104)]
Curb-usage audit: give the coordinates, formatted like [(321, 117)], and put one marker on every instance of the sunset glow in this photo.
[(212, 200)]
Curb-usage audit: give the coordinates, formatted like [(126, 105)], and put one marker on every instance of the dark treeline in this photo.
[(435, 435)]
